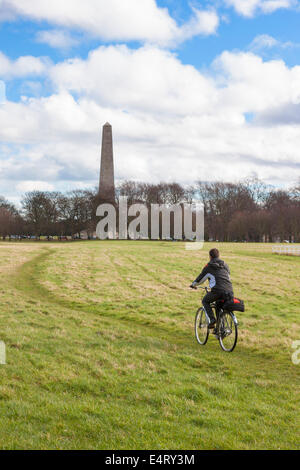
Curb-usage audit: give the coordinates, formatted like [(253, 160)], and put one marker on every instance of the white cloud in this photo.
[(146, 80), (264, 41), (116, 20), (26, 186), (241, 81), (177, 124), (204, 22), (252, 85), (2, 92), (269, 6), (249, 8), (22, 67), (57, 39)]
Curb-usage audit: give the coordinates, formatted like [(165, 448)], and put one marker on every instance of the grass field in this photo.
[(101, 350)]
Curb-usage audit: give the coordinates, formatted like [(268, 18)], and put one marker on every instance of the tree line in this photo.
[(248, 210)]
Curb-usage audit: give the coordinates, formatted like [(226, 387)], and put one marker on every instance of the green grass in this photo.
[(101, 350)]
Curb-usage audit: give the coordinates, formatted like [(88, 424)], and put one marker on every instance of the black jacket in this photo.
[(218, 274)]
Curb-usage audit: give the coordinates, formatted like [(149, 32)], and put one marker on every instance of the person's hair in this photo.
[(214, 253)]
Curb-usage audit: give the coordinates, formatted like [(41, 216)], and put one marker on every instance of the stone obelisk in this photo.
[(107, 179)]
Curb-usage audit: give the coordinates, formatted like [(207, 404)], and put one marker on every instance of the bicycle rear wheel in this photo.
[(201, 327), (228, 331)]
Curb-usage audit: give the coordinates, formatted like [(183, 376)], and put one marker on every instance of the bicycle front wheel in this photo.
[(201, 327), (228, 332)]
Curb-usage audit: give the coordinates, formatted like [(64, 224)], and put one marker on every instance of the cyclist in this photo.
[(218, 274)]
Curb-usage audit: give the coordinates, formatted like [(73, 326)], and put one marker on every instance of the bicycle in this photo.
[(226, 329)]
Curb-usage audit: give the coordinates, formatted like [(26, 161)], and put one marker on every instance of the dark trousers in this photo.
[(208, 299)]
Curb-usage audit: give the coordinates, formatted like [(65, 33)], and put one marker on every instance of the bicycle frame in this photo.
[(214, 305), (223, 328)]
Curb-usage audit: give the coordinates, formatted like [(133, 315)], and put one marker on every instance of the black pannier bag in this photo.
[(234, 304)]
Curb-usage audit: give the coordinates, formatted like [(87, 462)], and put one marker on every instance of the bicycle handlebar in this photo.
[(200, 287)]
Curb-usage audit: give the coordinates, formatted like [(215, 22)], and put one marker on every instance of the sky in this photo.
[(194, 90)]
